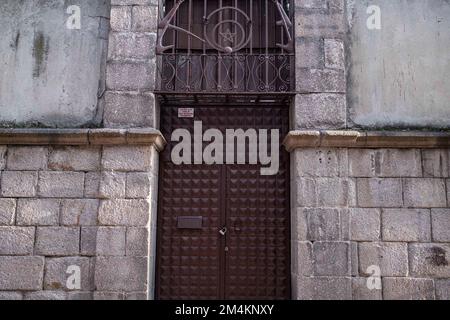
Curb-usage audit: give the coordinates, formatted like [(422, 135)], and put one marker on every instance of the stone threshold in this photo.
[(83, 137), (369, 139)]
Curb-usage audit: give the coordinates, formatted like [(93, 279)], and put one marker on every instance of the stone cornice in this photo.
[(75, 137), (370, 139)]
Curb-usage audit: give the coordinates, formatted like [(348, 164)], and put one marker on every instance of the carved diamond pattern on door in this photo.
[(252, 259), (257, 261), (189, 265)]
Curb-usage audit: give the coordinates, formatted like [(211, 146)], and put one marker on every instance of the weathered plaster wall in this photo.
[(51, 75), (398, 76)]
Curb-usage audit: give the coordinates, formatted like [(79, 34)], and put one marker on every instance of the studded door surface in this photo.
[(251, 259)]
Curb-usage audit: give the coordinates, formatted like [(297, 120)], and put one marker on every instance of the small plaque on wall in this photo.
[(185, 112)]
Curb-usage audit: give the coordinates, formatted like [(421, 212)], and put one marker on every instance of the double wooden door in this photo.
[(223, 230)]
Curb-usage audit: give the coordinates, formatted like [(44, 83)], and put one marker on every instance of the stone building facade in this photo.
[(361, 197)]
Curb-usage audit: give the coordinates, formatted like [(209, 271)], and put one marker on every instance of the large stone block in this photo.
[(361, 290), (40, 212), (442, 289), (391, 258), (145, 18), (323, 224), (429, 260), (124, 212), (58, 275), (128, 158), (319, 24), (130, 76), (408, 289), (334, 54), (124, 110), (111, 241), (2, 157), (61, 184), (364, 163), (311, 4), (136, 296), (79, 212), (92, 184), (302, 258), (320, 111), (137, 242), (16, 240), (7, 211), (120, 18), (425, 193), (407, 225), (436, 163), (27, 158), (19, 184), (121, 274), (385, 163), (400, 163), (57, 241), (320, 80), (21, 273), (138, 185), (10, 295), (112, 185), (74, 159), (88, 241), (320, 162), (309, 53), (80, 295), (325, 192), (440, 222), (46, 295), (331, 259), (365, 224), (98, 295), (299, 224), (134, 2), (131, 45), (379, 192), (322, 288)]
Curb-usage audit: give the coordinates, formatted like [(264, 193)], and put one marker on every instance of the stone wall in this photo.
[(87, 198), (320, 65), (91, 207), (356, 208)]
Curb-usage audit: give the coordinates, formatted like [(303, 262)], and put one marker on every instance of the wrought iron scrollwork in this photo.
[(225, 73), (242, 48)]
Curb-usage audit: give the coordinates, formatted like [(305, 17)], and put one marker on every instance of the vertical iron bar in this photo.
[(251, 32), (175, 47), (189, 43), (281, 29), (235, 54), (267, 43), (219, 73), (204, 57)]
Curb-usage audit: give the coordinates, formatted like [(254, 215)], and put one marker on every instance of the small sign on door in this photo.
[(185, 112)]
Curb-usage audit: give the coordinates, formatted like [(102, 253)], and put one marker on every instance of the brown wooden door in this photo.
[(252, 259)]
